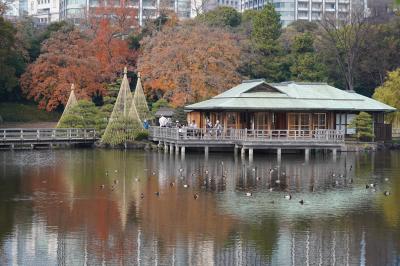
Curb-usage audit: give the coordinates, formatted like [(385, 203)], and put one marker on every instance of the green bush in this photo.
[(363, 125), (86, 115), (142, 135)]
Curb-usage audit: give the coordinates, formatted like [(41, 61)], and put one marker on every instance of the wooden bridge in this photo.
[(247, 139), (30, 138)]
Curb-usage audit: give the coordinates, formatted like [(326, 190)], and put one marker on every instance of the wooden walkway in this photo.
[(30, 138), (245, 139)]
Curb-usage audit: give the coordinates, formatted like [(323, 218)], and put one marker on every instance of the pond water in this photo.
[(54, 209)]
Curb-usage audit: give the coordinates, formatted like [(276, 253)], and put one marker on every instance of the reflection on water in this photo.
[(54, 209)]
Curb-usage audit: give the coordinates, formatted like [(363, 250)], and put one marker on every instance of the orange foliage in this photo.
[(189, 63), (90, 59)]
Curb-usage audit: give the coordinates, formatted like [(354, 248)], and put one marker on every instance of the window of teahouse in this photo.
[(231, 120), (299, 121), (319, 121), (261, 121)]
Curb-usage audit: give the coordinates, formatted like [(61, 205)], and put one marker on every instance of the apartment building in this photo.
[(308, 10), (44, 11)]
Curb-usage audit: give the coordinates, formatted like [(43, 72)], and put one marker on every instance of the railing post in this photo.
[(22, 134), (37, 134)]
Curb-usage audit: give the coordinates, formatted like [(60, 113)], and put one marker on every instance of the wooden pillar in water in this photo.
[(334, 153)]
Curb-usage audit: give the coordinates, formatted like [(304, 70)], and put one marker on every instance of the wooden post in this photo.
[(206, 151), (165, 147), (243, 152), (251, 154), (171, 148), (176, 149), (334, 153), (183, 152)]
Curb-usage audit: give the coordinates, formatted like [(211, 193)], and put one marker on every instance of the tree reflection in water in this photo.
[(53, 209)]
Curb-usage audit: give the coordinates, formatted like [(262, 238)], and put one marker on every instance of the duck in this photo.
[(367, 186), (115, 171), (206, 172), (386, 179), (154, 173), (288, 197), (277, 181), (185, 185), (271, 189), (254, 169), (386, 193), (351, 180), (157, 193), (102, 186), (301, 202), (137, 179), (196, 196), (249, 194), (258, 178), (372, 185), (351, 167), (180, 170)]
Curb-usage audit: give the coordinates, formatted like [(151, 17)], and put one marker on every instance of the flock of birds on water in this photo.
[(288, 196)]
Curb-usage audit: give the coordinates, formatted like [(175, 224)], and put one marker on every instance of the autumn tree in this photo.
[(66, 57), (189, 62)]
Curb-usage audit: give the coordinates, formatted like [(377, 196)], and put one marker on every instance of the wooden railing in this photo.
[(320, 135), (47, 134)]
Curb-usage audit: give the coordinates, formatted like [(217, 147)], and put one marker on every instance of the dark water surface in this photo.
[(53, 210)]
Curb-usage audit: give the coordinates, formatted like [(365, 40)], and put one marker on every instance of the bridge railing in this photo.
[(47, 134), (319, 135)]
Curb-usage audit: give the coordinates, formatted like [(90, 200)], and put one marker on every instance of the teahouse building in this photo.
[(258, 105)]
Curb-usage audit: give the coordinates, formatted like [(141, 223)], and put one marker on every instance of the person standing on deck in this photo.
[(162, 121), (218, 128)]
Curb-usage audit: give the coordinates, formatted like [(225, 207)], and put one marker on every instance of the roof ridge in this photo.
[(252, 80)]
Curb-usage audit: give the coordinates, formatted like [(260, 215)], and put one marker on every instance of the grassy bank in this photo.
[(18, 112)]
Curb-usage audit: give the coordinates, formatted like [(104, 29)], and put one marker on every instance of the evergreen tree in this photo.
[(363, 125)]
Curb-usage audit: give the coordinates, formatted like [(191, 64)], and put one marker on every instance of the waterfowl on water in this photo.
[(271, 189), (254, 169), (157, 193), (102, 186), (288, 197), (185, 185), (386, 179), (278, 181), (367, 186), (154, 173), (386, 193), (351, 180), (301, 202), (258, 178), (206, 172), (180, 170), (249, 194), (196, 196), (115, 171), (137, 179), (372, 185)]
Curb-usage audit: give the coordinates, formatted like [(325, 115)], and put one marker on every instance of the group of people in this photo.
[(210, 128)]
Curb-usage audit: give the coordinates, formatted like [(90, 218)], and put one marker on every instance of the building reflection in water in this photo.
[(58, 213)]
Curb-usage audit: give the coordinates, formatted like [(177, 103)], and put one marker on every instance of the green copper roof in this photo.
[(259, 95)]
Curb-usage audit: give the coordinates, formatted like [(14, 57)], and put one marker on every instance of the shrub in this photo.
[(141, 135), (363, 125)]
